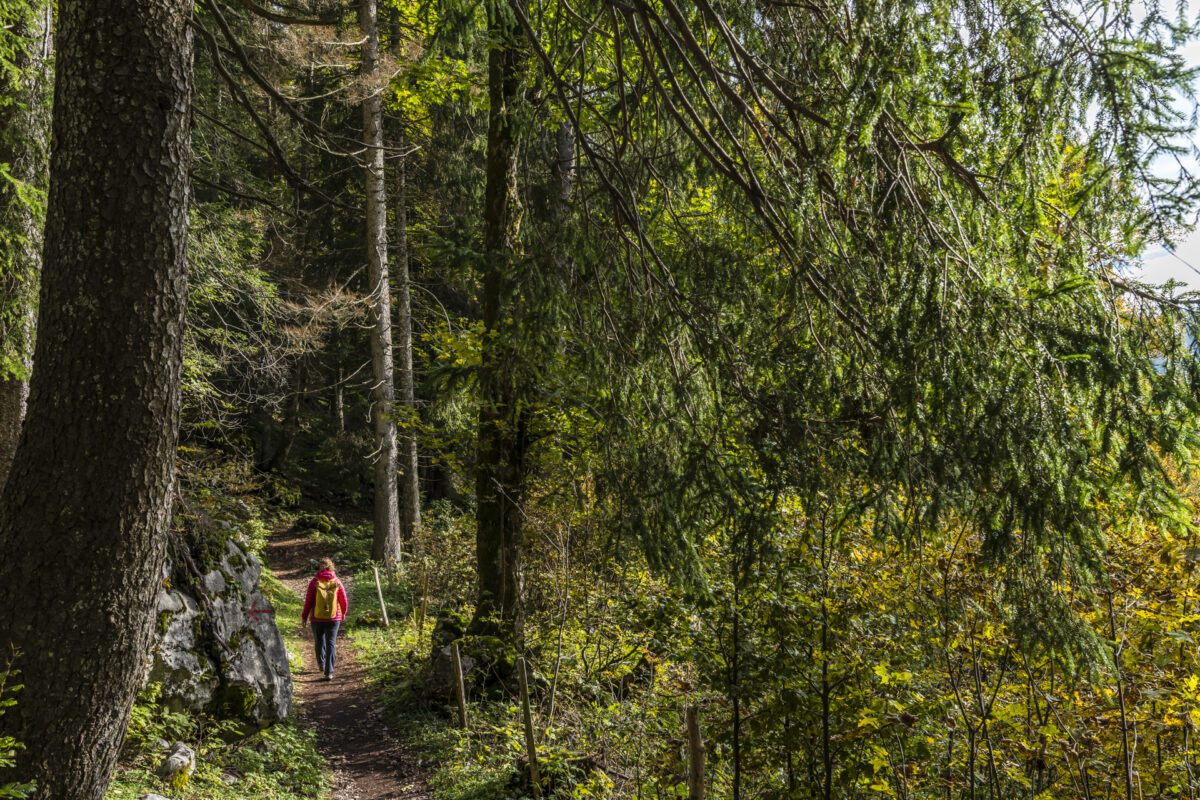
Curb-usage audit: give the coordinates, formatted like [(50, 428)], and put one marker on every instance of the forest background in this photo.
[(778, 359)]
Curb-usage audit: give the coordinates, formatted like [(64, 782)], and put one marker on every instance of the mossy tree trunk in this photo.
[(85, 511), (503, 418)]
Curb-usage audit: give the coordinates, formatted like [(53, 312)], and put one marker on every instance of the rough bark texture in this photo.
[(84, 513), (503, 422), (410, 476), (24, 144), (386, 546)]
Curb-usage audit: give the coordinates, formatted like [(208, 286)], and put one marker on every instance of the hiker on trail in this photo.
[(326, 605)]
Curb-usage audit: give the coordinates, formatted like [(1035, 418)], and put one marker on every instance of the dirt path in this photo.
[(368, 764)]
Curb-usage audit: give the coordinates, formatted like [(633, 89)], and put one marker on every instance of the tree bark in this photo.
[(386, 545), (411, 479), (410, 485), (24, 144), (84, 513), (503, 418)]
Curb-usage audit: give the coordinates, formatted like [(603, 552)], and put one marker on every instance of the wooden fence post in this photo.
[(695, 755), (379, 594), (530, 743), (424, 601), (459, 690)]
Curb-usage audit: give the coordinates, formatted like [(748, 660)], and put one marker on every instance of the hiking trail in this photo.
[(366, 761)]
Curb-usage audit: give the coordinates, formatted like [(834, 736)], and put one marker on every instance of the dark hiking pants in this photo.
[(325, 637)]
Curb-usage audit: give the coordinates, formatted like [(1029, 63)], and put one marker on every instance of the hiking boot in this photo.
[(328, 676)]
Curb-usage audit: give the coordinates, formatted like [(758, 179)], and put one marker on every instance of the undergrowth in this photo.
[(584, 732)]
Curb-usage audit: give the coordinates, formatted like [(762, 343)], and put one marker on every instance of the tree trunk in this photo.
[(84, 513), (24, 142), (386, 546), (275, 454), (503, 419), (337, 403), (409, 453), (411, 483)]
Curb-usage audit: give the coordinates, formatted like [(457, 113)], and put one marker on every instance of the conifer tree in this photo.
[(85, 510)]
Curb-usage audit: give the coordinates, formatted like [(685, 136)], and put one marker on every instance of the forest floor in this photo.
[(368, 763)]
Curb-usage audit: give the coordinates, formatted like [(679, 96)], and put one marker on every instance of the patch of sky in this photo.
[(1161, 263)]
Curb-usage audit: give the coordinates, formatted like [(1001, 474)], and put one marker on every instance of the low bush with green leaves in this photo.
[(8, 745)]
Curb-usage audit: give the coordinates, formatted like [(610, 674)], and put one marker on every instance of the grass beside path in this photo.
[(476, 764)]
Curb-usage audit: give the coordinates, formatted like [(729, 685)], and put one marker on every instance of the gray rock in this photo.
[(214, 582), (441, 680), (169, 602), (153, 797), (229, 780), (178, 765), (224, 655), (242, 566), (187, 673)]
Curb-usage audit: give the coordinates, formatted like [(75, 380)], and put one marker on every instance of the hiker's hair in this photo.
[(326, 563)]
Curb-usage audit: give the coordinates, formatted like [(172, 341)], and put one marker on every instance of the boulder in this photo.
[(153, 796), (218, 650), (178, 766), (181, 663), (441, 677)]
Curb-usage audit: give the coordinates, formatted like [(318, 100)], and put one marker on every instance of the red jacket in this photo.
[(311, 599)]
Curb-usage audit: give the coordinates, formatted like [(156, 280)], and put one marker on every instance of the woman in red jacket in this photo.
[(326, 605)]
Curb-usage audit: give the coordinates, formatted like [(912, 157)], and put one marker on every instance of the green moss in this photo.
[(207, 544), (180, 779), (164, 622), (237, 700), (321, 523), (491, 655), (369, 619)]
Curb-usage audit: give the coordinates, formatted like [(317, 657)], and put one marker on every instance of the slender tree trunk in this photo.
[(503, 419), (337, 403), (386, 546), (24, 142), (410, 482), (337, 394), (410, 485), (84, 513), (291, 420)]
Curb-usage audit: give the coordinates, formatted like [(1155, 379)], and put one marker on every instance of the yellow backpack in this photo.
[(326, 606)]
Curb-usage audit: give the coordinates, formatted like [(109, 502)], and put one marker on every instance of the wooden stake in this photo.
[(379, 593), (424, 601), (695, 755), (459, 691), (530, 743)]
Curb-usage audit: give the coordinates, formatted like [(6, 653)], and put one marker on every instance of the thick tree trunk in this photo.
[(84, 513), (411, 479), (386, 546), (24, 143), (503, 419)]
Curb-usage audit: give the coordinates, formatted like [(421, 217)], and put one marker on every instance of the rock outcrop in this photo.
[(218, 650)]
